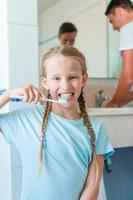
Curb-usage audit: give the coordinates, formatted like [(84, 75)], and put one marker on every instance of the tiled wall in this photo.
[(94, 85), (19, 57)]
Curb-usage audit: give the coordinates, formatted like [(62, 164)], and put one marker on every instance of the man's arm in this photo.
[(90, 190), (122, 94)]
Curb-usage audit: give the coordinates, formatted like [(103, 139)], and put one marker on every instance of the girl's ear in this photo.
[(84, 79), (44, 83)]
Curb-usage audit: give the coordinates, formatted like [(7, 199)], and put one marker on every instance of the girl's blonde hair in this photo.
[(64, 51), (73, 53)]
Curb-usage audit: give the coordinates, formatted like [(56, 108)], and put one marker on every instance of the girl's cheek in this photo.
[(53, 92)]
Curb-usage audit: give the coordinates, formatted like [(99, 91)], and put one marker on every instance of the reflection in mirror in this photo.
[(88, 16), (95, 38)]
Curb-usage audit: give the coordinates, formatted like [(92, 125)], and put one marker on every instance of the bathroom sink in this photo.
[(119, 124)]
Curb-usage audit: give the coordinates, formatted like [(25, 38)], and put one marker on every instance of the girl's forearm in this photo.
[(91, 188), (90, 193), (4, 98)]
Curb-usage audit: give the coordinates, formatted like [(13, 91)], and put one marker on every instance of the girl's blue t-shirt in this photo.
[(67, 152)]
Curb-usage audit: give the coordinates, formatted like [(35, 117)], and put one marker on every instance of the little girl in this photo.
[(68, 145)]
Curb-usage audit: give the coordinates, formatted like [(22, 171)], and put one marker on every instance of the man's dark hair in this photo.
[(126, 4), (67, 27)]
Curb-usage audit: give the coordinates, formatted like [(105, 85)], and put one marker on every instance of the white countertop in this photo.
[(110, 111)]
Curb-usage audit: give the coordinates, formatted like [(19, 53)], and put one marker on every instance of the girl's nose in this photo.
[(65, 83)]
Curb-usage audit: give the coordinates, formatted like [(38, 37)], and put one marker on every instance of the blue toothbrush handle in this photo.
[(16, 99), (13, 99)]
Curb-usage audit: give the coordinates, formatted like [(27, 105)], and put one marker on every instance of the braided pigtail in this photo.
[(44, 124), (93, 165)]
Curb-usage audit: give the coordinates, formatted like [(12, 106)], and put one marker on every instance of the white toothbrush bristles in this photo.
[(62, 100)]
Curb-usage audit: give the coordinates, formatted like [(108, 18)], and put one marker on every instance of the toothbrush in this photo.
[(15, 98)]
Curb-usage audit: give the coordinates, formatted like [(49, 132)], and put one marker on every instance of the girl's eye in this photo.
[(73, 77), (56, 78)]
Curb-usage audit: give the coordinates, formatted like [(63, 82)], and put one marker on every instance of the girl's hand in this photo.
[(29, 92)]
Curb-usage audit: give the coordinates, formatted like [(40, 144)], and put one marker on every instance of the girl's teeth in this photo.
[(66, 96)]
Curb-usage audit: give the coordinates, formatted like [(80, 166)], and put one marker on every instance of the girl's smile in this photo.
[(68, 95)]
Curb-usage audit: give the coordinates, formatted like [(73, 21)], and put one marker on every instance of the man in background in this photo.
[(120, 15), (67, 34)]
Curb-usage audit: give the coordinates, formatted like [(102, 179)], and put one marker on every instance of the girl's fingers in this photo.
[(31, 93), (37, 95), (43, 96), (25, 93), (28, 93)]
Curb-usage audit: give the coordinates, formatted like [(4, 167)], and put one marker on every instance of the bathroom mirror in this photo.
[(95, 37)]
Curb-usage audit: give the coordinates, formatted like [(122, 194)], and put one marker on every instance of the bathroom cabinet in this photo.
[(119, 182)]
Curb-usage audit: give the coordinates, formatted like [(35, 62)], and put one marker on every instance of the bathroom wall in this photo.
[(19, 66), (5, 164)]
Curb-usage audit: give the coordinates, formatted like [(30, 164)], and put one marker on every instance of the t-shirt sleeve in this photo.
[(103, 144), (9, 126), (126, 37), (20, 125)]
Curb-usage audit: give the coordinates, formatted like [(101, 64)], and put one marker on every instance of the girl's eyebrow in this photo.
[(70, 74), (74, 73), (55, 74)]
